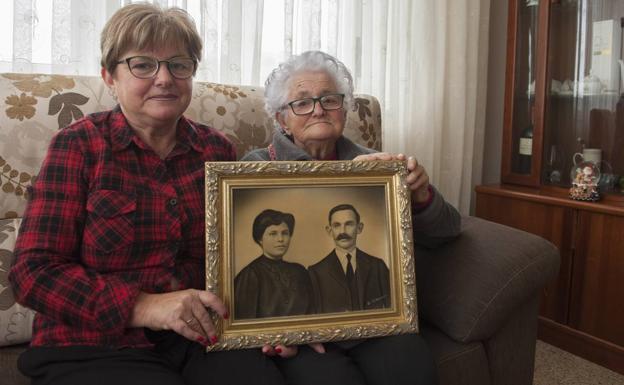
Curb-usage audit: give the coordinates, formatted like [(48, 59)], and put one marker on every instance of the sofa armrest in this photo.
[(469, 287)]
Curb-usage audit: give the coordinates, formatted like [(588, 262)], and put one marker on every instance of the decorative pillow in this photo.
[(15, 319)]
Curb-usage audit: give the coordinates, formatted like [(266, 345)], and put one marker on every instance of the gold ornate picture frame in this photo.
[(236, 194)]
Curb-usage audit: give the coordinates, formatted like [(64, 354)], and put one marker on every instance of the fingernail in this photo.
[(226, 315), (203, 341), (278, 350), (214, 339)]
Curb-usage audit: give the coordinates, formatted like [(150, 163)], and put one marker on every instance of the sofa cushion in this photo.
[(458, 363), (15, 319), (9, 373)]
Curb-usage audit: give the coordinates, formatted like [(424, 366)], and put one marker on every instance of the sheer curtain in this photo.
[(424, 59)]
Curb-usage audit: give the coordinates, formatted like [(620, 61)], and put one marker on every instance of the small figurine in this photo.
[(585, 183)]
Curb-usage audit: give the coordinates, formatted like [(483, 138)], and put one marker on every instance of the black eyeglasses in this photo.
[(145, 67), (327, 102)]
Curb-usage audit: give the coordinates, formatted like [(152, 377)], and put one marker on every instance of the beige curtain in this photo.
[(436, 90), (424, 59)]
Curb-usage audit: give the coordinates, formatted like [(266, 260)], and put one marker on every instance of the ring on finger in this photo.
[(190, 321)]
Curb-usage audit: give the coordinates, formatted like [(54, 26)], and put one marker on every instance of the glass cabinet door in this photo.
[(525, 72), (584, 107)]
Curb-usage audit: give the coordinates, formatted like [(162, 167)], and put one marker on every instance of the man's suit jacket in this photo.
[(331, 291)]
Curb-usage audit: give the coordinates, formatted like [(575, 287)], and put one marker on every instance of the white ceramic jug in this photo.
[(593, 155)]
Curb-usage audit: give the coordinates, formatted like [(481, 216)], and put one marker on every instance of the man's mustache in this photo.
[(342, 236)]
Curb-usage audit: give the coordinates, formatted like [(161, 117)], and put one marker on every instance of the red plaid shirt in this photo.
[(108, 218)]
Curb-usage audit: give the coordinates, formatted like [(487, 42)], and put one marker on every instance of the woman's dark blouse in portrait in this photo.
[(272, 288)]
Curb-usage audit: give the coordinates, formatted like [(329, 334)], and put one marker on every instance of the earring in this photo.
[(287, 134), (112, 93)]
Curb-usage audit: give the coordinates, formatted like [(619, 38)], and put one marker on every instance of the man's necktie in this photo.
[(353, 289)]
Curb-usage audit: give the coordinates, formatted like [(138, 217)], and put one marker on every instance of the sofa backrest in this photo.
[(36, 106)]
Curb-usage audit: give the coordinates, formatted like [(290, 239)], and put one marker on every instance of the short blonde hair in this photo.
[(147, 26)]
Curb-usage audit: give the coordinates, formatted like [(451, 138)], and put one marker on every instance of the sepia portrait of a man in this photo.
[(348, 278)]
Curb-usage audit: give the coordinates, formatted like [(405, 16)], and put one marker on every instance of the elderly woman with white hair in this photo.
[(308, 95)]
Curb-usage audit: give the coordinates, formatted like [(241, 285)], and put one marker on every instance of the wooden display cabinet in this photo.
[(563, 79)]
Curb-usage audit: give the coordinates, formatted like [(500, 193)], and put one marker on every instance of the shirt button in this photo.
[(173, 201)]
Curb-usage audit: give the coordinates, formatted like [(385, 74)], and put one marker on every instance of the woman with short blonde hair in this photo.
[(111, 251)]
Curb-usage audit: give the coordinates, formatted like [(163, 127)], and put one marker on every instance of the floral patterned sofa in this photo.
[(477, 296)]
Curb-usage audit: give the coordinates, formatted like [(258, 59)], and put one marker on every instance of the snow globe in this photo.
[(585, 177)]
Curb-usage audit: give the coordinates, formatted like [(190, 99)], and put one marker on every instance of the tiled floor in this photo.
[(554, 366)]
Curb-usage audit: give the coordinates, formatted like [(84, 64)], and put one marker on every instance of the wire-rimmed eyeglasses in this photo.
[(328, 103), (146, 67)]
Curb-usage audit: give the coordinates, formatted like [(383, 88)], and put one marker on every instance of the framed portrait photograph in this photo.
[(309, 251)]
